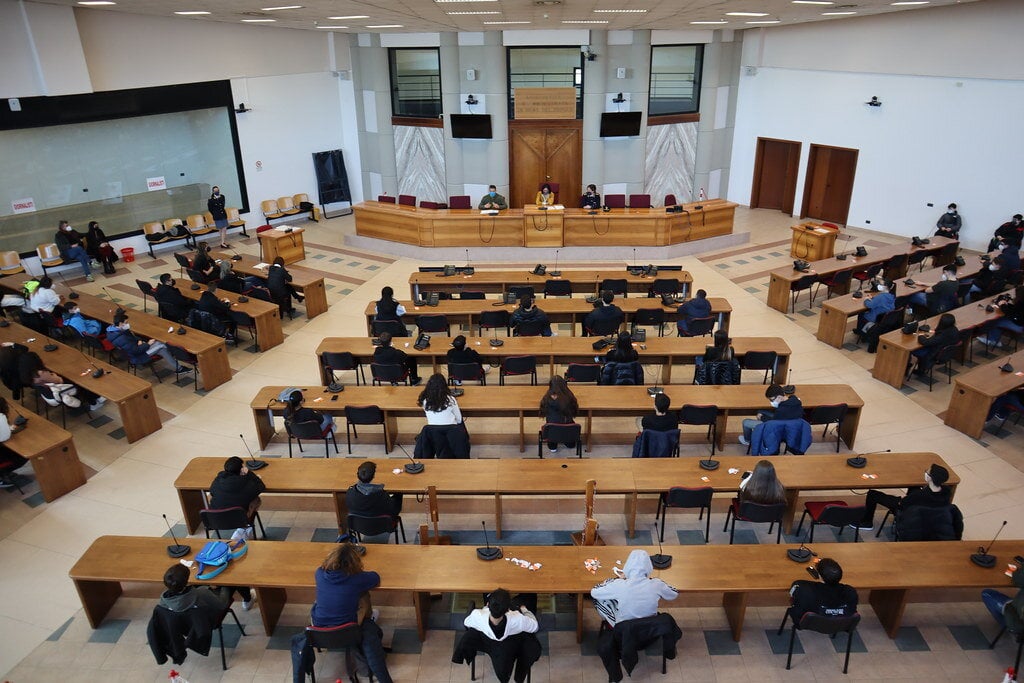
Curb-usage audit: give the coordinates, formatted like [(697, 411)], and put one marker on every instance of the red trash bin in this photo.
[(128, 254)]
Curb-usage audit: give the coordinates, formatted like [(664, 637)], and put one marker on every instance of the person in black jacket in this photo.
[(1011, 231), (661, 420), (991, 280), (215, 205), (236, 486), (559, 406), (385, 354), (173, 304), (98, 248), (220, 309), (623, 351), (949, 223), (366, 498), (460, 354), (278, 282), (203, 264), (180, 596), (945, 333), (934, 494), (529, 313), (606, 318), (828, 598), (591, 199), (69, 244), (1012, 308)]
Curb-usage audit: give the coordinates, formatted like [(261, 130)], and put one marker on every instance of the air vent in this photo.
[(255, 14), (547, 3)]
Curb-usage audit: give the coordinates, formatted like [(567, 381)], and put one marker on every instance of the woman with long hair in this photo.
[(945, 334), (203, 263), (97, 246), (623, 351), (559, 406), (762, 486), (545, 197), (439, 405)]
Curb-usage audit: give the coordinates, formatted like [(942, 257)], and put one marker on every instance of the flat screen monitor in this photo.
[(471, 126), (620, 124)]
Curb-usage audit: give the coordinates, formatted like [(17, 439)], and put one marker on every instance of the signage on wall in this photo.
[(158, 183), (26, 205), (545, 103)]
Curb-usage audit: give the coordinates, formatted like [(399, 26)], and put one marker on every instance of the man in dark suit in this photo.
[(385, 354), (173, 304), (606, 318)]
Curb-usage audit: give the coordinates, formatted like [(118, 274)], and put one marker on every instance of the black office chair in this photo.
[(229, 519), (616, 286), (147, 291), (649, 316), (701, 415), (518, 365), (829, 626), (310, 429), (583, 372), (340, 361), (832, 513), (604, 327), (560, 433), (434, 323), (364, 416), (869, 273), (472, 295), (760, 360), (242, 320), (389, 373), (756, 513), (698, 327), (183, 264), (838, 281), (493, 320), (519, 291), (393, 327), (804, 283), (557, 288), (827, 415), (346, 638), (375, 525), (683, 497), (182, 356), (466, 372), (943, 356), (665, 285), (529, 328)]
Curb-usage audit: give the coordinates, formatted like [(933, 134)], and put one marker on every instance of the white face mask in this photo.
[(944, 277), (951, 211), (993, 267), (126, 327), (775, 402)]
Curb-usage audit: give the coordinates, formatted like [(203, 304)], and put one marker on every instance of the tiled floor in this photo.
[(47, 638)]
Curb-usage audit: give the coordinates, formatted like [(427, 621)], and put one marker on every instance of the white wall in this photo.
[(935, 139), (40, 53)]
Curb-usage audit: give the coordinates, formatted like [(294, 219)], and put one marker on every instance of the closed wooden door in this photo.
[(545, 151), (776, 167), (828, 186)]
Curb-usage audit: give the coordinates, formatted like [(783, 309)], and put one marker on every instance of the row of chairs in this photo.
[(195, 225), (285, 206)]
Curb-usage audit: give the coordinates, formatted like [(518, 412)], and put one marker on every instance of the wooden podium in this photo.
[(542, 227), (288, 245), (812, 242)]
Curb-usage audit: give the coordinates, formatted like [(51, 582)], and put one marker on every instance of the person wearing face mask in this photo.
[(99, 248), (215, 205), (139, 350), (934, 494), (782, 408), (877, 305), (1011, 255), (173, 304), (991, 280), (545, 197), (590, 199), (949, 224), (493, 200), (1012, 231), (87, 327), (1012, 320), (945, 333), (941, 296), (69, 244)]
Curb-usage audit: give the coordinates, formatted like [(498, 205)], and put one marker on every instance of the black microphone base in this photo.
[(984, 560), (709, 465), (555, 273), (256, 464), (179, 550), (97, 373), (489, 553), (859, 462), (799, 554), (496, 343), (73, 295), (661, 561), (414, 467), (841, 257)]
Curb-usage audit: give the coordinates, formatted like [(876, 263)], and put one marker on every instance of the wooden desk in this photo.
[(51, 451), (781, 280), (275, 569), (522, 401), (132, 395), (836, 312), (559, 310), (309, 283), (975, 391), (209, 349), (288, 245), (499, 281), (894, 347), (265, 315), (812, 241), (529, 227), (552, 351)]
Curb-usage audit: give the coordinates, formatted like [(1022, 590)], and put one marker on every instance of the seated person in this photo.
[(212, 600), (218, 308), (559, 406), (949, 223), (236, 486), (762, 485), (439, 406), (662, 420), (606, 318), (369, 499), (941, 296), (827, 597), (492, 200), (279, 282), (934, 494), (139, 351), (1011, 399), (42, 298), (386, 354), (590, 199), (633, 594), (530, 314), (623, 351), (991, 280), (501, 628), (295, 412), (782, 408), (877, 304), (1012, 231), (945, 333), (1011, 255), (173, 304), (721, 350), (1012, 320), (87, 327), (697, 307), (53, 388), (204, 264), (229, 280), (460, 354), (1009, 612), (14, 461), (70, 244), (545, 197), (388, 307)]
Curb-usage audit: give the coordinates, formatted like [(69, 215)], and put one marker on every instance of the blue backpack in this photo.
[(216, 555)]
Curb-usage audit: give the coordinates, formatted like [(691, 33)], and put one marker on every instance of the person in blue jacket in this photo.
[(139, 350), (698, 307)]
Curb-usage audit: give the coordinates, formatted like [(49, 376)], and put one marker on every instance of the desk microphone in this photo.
[(981, 558), (120, 309), (73, 294), (468, 269), (97, 371), (178, 549), (411, 467), (661, 560), (860, 462), (252, 463), (556, 272), (487, 553), (801, 554)]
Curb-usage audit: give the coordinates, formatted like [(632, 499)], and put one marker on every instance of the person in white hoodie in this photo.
[(633, 594), (505, 634)]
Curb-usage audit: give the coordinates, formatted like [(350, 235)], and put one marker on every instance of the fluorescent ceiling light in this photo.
[(386, 26), (813, 2), (468, 13), (746, 14), (583, 21), (836, 14), (444, 1), (329, 27), (709, 23), (619, 11), (190, 13), (910, 2), (773, 21), (354, 16), (274, 9), (257, 21), (96, 3), (504, 23)]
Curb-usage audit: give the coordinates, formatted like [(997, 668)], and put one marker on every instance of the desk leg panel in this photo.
[(831, 327), (630, 512), (264, 426), (58, 470), (214, 368), (792, 495), (778, 294), (97, 598), (890, 364), (889, 605), (191, 503), (316, 299), (139, 416), (421, 606), (850, 425), (968, 409), (268, 330), (735, 605), (497, 515), (271, 602)]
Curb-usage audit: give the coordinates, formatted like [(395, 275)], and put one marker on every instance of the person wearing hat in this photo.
[(236, 486), (876, 305), (934, 494), (1012, 231), (949, 224)]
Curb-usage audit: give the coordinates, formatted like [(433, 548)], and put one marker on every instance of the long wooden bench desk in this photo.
[(630, 477), (781, 280), (309, 283), (883, 573), (976, 390), (491, 281), (132, 395), (209, 349), (522, 402), (51, 451), (552, 351), (894, 347), (560, 310), (265, 315), (835, 314)]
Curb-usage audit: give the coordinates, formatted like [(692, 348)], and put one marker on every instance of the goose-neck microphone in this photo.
[(178, 549), (661, 560), (982, 558), (252, 463), (488, 553), (73, 294)]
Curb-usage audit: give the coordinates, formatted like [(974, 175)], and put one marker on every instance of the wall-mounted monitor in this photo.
[(471, 126), (620, 124)]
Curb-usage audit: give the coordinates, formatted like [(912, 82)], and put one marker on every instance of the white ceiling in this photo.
[(432, 16)]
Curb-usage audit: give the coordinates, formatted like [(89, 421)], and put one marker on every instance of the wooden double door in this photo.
[(545, 151), (828, 181)]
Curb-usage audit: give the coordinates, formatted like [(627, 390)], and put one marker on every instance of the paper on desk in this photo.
[(282, 228), (262, 266)]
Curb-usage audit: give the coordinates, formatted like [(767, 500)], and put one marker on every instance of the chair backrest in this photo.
[(841, 515), (649, 316), (759, 360), (604, 327), (195, 221), (691, 414), (819, 623), (285, 203), (269, 206), (222, 519), (842, 277), (895, 261), (364, 415), (10, 259), (557, 288), (338, 360), (395, 327), (615, 201), (171, 223), (48, 252), (665, 285), (407, 199), (182, 260), (153, 228), (208, 217), (756, 512), (181, 355), (614, 285), (388, 372), (804, 282), (433, 322), (300, 198), (145, 287), (465, 371), (821, 415), (424, 204), (530, 328), (460, 201), (892, 320), (471, 295), (309, 429), (520, 290), (670, 200), (334, 637), (947, 352), (385, 198), (371, 525), (562, 433), (493, 318), (518, 365), (639, 201), (656, 443), (583, 372), (698, 327), (686, 497)]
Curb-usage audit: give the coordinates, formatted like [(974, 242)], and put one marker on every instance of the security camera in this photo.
[(874, 102), (471, 100)]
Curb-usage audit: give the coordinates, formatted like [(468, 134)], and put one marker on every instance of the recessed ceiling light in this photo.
[(468, 13), (583, 21), (191, 13), (746, 14), (329, 27), (836, 14), (274, 9), (709, 23), (258, 21), (767, 21), (96, 3), (354, 16), (504, 23), (620, 11), (813, 2), (910, 2), (386, 26)]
